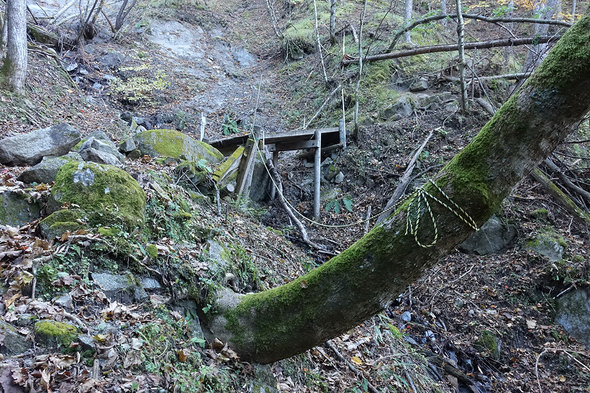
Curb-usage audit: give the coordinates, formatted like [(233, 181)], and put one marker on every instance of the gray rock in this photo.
[(16, 209), (406, 316), (402, 107), (111, 60), (65, 301), (101, 151), (573, 313), (122, 288), (46, 170), (492, 237), (150, 284), (127, 146), (188, 308), (25, 319), (261, 184), (14, 343), (100, 135), (419, 85), (86, 341), (339, 178), (547, 245), (7, 384), (29, 149)]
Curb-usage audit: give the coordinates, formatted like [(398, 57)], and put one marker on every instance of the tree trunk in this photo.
[(365, 278), (546, 10), (3, 34), (333, 21), (462, 62), (14, 69), (407, 18)]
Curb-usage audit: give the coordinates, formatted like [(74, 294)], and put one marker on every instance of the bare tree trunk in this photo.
[(14, 69), (368, 276), (545, 10), (318, 42), (333, 21), (574, 5), (407, 18), (443, 10), (360, 61), (462, 62)]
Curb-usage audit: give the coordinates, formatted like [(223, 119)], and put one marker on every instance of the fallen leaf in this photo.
[(356, 360)]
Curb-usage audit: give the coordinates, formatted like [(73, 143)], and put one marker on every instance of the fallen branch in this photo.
[(453, 47), (520, 75), (476, 17), (568, 183), (404, 182), (322, 107), (560, 196), (279, 187), (352, 368)]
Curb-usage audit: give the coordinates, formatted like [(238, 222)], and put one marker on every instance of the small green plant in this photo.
[(336, 205), (230, 126)]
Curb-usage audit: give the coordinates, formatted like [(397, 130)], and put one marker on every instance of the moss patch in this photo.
[(106, 194), (174, 144), (52, 332)]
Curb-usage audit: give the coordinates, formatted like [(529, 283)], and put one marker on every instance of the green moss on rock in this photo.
[(107, 195), (61, 221), (52, 332), (174, 144), (489, 342)]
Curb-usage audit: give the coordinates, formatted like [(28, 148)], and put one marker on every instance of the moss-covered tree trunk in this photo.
[(366, 277)]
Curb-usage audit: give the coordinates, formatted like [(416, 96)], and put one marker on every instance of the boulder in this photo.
[(101, 151), (14, 343), (29, 149), (106, 195), (127, 146), (46, 170), (125, 289), (403, 106), (16, 209), (174, 144), (573, 313), (547, 244), (492, 237), (53, 334), (419, 85), (62, 221)]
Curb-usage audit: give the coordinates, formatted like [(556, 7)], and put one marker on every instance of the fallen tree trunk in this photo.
[(475, 17), (364, 279), (453, 47)]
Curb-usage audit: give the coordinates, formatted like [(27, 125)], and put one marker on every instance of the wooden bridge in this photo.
[(319, 139)]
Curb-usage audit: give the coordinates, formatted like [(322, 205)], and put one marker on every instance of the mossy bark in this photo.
[(366, 277)]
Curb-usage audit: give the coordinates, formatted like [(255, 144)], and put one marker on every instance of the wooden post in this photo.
[(317, 174), (342, 133), (275, 161), (246, 165)]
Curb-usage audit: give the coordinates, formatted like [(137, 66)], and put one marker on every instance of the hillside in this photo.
[(110, 254)]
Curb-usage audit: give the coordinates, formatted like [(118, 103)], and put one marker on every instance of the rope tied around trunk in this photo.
[(421, 199)]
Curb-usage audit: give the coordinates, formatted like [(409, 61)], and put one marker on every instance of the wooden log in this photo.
[(560, 196), (317, 174), (453, 47), (245, 167)]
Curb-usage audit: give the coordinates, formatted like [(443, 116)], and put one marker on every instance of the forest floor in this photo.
[(471, 324)]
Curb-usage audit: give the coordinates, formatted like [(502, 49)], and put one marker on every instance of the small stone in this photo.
[(406, 316), (419, 85), (65, 301), (339, 178), (86, 341)]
